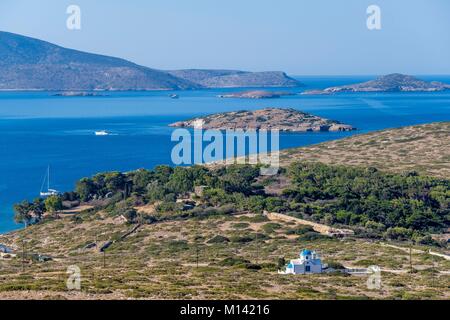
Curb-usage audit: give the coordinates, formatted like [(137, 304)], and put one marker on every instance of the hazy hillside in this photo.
[(28, 63), (235, 79), (32, 64), (394, 82)]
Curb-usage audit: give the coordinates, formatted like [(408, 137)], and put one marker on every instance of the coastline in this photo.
[(141, 119), (313, 152)]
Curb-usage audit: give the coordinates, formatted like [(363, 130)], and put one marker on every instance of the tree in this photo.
[(22, 213), (131, 215), (114, 182), (162, 173), (38, 208), (70, 196), (256, 204), (214, 197), (155, 191), (239, 178), (141, 179), (377, 226), (29, 212), (274, 204), (343, 216), (85, 188), (281, 263), (398, 233), (53, 204), (181, 180), (441, 195)]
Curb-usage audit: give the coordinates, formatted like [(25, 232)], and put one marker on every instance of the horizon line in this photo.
[(291, 74)]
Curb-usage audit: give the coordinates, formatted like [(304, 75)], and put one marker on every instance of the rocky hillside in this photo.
[(289, 120), (390, 83), (423, 148), (236, 79)]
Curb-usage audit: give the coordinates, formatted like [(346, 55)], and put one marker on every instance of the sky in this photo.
[(301, 37)]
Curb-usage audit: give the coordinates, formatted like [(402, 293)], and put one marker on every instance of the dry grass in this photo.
[(159, 261), (423, 148)]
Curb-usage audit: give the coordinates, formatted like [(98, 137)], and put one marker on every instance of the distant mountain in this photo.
[(31, 64), (235, 78), (395, 82)]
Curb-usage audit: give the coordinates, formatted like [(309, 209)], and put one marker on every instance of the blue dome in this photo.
[(305, 253), (290, 266)]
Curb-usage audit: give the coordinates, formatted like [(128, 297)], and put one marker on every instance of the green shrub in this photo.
[(335, 265), (240, 225), (300, 230), (311, 236), (398, 233), (176, 245), (252, 266), (232, 261), (237, 239), (218, 239), (271, 227)]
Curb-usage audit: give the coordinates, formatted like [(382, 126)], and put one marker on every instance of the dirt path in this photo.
[(437, 254), (318, 227)]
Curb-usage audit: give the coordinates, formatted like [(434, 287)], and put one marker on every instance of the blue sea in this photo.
[(38, 129)]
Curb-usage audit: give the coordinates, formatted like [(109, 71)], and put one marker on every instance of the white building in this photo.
[(309, 262)]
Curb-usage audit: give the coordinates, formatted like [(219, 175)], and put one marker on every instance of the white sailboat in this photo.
[(102, 133), (49, 192)]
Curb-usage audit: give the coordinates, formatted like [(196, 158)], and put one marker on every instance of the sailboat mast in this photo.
[(48, 192)]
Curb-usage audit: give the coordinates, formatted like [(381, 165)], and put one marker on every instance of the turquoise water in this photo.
[(38, 129)]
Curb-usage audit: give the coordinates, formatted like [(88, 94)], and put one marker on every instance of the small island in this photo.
[(79, 94), (288, 120), (236, 78), (256, 94), (395, 82)]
